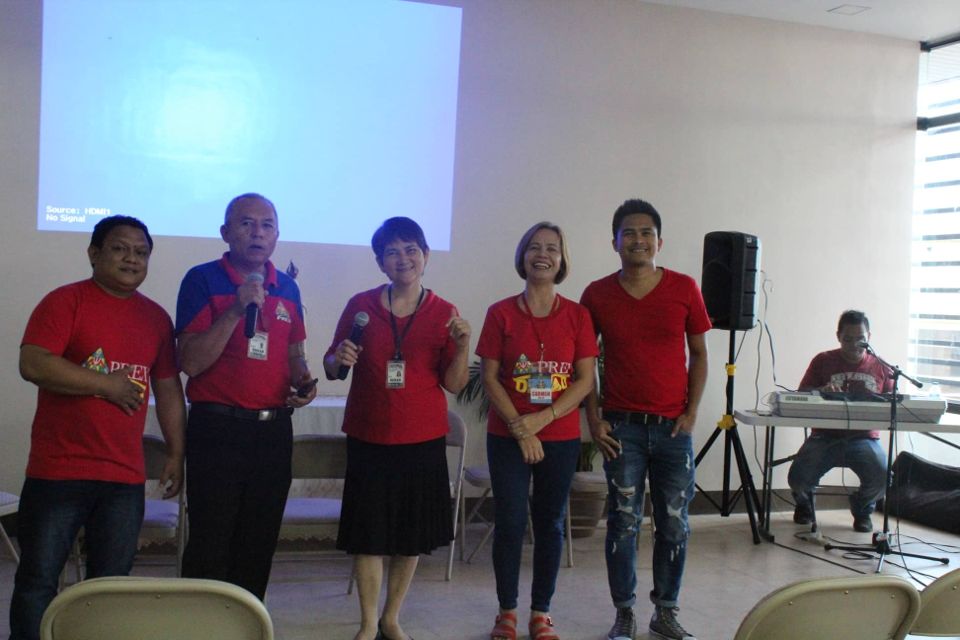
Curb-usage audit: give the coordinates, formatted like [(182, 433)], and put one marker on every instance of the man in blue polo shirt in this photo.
[(242, 392)]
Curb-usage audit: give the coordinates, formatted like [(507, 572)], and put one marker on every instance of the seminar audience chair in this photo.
[(939, 608), (457, 441), (163, 520), (860, 608), (122, 608), (9, 504), (316, 457)]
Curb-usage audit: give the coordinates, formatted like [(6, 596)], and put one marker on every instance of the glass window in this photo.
[(934, 349)]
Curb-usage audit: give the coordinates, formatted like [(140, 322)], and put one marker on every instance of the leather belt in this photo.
[(636, 417), (256, 415)]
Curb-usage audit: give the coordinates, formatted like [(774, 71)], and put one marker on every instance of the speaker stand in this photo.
[(728, 426)]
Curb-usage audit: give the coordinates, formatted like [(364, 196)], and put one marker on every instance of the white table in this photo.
[(949, 423)]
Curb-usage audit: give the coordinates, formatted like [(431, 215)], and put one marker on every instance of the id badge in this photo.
[(396, 373), (257, 346), (541, 389)]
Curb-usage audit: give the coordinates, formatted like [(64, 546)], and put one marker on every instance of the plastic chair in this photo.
[(120, 608), (457, 440), (9, 504), (860, 608), (939, 608), (163, 520)]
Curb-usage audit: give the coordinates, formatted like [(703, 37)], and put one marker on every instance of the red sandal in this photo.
[(502, 630), (541, 628)]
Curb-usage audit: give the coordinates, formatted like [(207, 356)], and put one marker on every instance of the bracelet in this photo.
[(553, 412)]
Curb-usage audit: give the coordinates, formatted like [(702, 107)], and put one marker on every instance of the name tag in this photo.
[(257, 346), (396, 374), (541, 389)]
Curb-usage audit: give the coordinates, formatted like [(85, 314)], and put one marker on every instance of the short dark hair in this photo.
[(631, 207), (246, 196), (525, 242), (105, 226), (397, 228), (854, 317)]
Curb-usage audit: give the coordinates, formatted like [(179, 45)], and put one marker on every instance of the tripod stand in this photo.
[(881, 540), (728, 427)]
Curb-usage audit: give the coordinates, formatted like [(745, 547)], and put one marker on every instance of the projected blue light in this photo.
[(343, 113)]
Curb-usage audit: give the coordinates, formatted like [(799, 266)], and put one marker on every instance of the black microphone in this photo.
[(250, 325), (359, 322)]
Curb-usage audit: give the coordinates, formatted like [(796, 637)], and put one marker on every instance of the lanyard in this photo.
[(533, 323), (398, 337)]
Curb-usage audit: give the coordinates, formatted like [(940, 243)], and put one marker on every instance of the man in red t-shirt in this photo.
[(648, 319), (857, 374), (94, 349)]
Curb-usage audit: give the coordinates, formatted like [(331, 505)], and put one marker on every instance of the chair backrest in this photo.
[(863, 607), (940, 607), (319, 456), (121, 608)]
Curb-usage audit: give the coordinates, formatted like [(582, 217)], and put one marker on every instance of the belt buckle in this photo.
[(264, 415)]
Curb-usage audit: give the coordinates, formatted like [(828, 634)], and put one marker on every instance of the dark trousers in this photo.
[(510, 478), (51, 514), (238, 476)]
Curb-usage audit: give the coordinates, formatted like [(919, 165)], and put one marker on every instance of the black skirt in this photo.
[(396, 499)]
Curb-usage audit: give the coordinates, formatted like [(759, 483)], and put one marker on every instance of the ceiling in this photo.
[(920, 20)]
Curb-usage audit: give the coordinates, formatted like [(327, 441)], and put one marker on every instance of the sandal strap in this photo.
[(504, 630), (541, 628)]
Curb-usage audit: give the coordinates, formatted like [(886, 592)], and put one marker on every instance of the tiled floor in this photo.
[(726, 575)]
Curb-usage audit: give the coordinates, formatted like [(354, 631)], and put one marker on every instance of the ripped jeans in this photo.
[(669, 461)]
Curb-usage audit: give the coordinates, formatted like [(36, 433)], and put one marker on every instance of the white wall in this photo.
[(802, 136)]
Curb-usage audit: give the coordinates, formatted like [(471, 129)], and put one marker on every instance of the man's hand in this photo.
[(119, 389), (532, 449), (609, 446), (171, 479), (305, 390), (685, 422), (250, 291)]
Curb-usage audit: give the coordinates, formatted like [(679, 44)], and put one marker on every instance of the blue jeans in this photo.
[(51, 514), (510, 479), (820, 453), (669, 462)]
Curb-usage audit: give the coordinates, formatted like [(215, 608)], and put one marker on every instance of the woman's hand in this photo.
[(346, 353), (530, 424), (459, 331), (532, 449)]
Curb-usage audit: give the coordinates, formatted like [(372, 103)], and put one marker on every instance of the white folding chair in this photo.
[(163, 520), (120, 608), (9, 504), (316, 457), (939, 608), (858, 608), (457, 440)]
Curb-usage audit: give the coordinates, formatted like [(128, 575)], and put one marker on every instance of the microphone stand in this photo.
[(881, 539)]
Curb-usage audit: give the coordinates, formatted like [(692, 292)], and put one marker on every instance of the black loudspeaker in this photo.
[(731, 264)]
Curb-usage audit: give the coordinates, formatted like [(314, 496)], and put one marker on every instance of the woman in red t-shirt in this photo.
[(538, 351), (396, 494)]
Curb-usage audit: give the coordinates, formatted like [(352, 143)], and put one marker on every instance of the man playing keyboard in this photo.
[(857, 374)]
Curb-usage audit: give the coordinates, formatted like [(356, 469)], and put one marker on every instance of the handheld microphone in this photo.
[(863, 344), (359, 322), (250, 324)]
